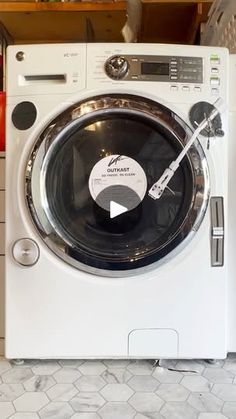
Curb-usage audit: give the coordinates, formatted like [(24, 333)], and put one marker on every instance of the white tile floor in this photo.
[(118, 389)]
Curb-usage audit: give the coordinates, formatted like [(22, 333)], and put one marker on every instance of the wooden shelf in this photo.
[(63, 22), (165, 21), (172, 21), (176, 1)]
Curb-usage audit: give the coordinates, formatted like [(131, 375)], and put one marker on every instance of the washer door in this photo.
[(98, 159)]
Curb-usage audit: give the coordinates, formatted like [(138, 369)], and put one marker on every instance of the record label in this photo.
[(113, 171)]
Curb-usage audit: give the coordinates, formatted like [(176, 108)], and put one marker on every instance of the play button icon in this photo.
[(117, 200), (116, 209)]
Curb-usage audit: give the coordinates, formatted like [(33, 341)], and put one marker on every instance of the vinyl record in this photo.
[(117, 159)]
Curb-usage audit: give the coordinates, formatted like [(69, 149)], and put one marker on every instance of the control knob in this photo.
[(116, 67)]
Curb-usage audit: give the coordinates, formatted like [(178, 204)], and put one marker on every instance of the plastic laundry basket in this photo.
[(220, 29)]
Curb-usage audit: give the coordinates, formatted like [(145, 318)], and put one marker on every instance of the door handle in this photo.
[(217, 231)]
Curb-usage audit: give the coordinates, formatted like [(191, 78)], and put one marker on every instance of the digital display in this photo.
[(155, 69)]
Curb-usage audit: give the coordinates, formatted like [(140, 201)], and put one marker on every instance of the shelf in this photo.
[(173, 21), (176, 1), (165, 21), (63, 22)]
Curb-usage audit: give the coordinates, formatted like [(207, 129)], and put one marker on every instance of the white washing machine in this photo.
[(232, 209), (95, 266)]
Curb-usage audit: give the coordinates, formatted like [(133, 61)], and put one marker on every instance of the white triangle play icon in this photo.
[(116, 209)]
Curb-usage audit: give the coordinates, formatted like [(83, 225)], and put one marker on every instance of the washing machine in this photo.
[(232, 209), (98, 264)]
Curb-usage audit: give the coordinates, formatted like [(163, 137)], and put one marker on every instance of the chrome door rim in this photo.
[(47, 141)]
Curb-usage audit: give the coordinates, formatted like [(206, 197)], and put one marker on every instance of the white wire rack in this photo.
[(220, 29)]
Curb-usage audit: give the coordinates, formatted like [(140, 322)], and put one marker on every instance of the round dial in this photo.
[(198, 113), (116, 67)]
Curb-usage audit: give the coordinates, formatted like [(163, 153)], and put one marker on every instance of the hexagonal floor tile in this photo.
[(229, 410), (212, 416), (146, 402), (67, 375), (226, 392), (4, 365), (85, 416), (56, 410), (46, 367), (143, 383), (17, 375), (230, 365), (205, 402), (6, 410), (116, 392), (71, 363), (25, 415), (90, 383), (116, 363), (92, 368), (31, 402), (189, 366), (155, 415), (116, 375), (167, 363), (87, 402), (177, 410), (172, 392), (218, 375), (165, 376), (117, 410), (196, 383), (141, 367), (39, 383), (62, 392), (9, 392)]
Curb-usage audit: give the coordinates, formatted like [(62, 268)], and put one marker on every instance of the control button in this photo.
[(174, 88), (185, 88), (174, 62), (134, 77), (173, 77), (135, 60), (173, 70), (215, 81), (215, 59), (25, 252), (214, 70), (215, 91), (197, 89)]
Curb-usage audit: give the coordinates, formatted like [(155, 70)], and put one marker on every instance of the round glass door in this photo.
[(88, 179)]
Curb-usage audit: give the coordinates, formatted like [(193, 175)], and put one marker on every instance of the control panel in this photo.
[(215, 74), (155, 68)]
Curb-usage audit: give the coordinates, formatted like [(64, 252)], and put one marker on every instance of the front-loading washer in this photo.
[(232, 208), (95, 267)]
